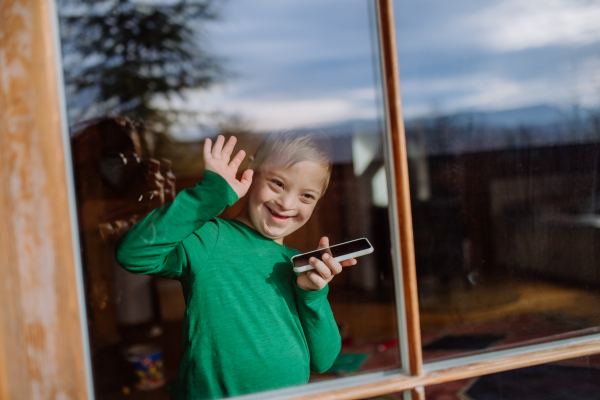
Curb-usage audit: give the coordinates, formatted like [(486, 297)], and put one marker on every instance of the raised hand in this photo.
[(323, 272), (217, 159)]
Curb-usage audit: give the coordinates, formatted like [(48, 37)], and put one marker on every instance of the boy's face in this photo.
[(281, 200)]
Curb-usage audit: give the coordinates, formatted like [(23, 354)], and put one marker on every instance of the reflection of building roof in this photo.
[(477, 131), (343, 134)]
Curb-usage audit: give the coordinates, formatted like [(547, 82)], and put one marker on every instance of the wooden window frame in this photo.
[(44, 351)]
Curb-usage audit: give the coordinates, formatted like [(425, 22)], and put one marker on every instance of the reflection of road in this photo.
[(540, 311), (573, 220)]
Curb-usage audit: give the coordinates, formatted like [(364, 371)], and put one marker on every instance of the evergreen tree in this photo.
[(120, 55)]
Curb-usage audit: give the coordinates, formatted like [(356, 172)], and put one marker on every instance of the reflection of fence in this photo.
[(556, 249), (505, 197)]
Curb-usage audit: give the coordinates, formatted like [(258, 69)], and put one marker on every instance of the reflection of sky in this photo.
[(309, 62), (498, 54), (298, 63)]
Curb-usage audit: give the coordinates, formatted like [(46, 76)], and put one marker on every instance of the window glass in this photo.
[(147, 84), (406, 395), (577, 378), (501, 101)]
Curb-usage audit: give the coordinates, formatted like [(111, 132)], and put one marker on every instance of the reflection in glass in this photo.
[(577, 378), (394, 396), (502, 107), (147, 83)]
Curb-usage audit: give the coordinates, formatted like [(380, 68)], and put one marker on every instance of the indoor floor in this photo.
[(453, 323)]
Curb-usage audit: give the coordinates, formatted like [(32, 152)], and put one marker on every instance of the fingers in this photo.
[(326, 268), (316, 279), (246, 179), (206, 150), (218, 147), (329, 266), (237, 160), (228, 149), (324, 242), (324, 271), (220, 152), (320, 267), (349, 262), (334, 266)]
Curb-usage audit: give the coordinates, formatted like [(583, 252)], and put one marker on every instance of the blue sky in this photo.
[(498, 54), (303, 63), (298, 63)]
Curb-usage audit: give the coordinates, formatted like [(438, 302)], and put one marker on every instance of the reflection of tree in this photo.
[(124, 54), (595, 122), (521, 128)]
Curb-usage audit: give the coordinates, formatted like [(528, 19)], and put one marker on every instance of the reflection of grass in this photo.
[(454, 307), (348, 362), (476, 298), (367, 321)]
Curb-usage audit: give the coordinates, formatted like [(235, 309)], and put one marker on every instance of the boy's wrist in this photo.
[(310, 294), (212, 178), (300, 286)]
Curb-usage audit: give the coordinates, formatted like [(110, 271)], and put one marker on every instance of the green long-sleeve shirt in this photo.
[(247, 326)]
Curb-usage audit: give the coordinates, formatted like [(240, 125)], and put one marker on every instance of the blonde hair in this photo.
[(290, 147)]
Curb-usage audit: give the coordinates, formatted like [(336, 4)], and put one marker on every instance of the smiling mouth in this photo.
[(277, 216)]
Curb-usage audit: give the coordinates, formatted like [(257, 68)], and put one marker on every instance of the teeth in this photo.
[(277, 215)]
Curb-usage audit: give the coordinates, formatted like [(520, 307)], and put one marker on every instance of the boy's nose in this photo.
[(286, 202)]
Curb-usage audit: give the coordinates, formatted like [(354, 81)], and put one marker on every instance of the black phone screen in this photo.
[(336, 251)]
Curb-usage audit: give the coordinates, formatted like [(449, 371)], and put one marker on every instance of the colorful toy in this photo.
[(149, 368)]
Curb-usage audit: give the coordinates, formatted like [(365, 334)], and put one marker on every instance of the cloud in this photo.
[(513, 25), (305, 63), (263, 113), (311, 63), (489, 90), (297, 64), (295, 48), (495, 25), (482, 92), (267, 115), (497, 54)]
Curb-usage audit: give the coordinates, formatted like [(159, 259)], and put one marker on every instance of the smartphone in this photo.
[(340, 252)]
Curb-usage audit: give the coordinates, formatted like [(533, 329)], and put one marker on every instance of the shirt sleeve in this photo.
[(320, 329), (156, 244)]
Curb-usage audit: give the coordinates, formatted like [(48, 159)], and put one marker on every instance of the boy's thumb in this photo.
[(247, 177)]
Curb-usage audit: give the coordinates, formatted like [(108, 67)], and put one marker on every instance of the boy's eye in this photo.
[(309, 197), (278, 183)]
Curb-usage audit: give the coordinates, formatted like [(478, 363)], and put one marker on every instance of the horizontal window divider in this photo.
[(384, 382), (559, 346), (321, 390)]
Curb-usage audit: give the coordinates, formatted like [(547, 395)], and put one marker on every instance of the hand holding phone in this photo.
[(323, 264), (340, 252)]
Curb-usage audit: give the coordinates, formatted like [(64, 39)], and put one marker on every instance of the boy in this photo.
[(251, 324)]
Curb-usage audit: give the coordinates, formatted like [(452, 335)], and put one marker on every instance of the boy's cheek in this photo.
[(306, 214), (311, 208)]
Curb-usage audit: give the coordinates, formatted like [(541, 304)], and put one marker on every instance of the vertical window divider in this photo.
[(72, 202), (43, 342), (403, 251)]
